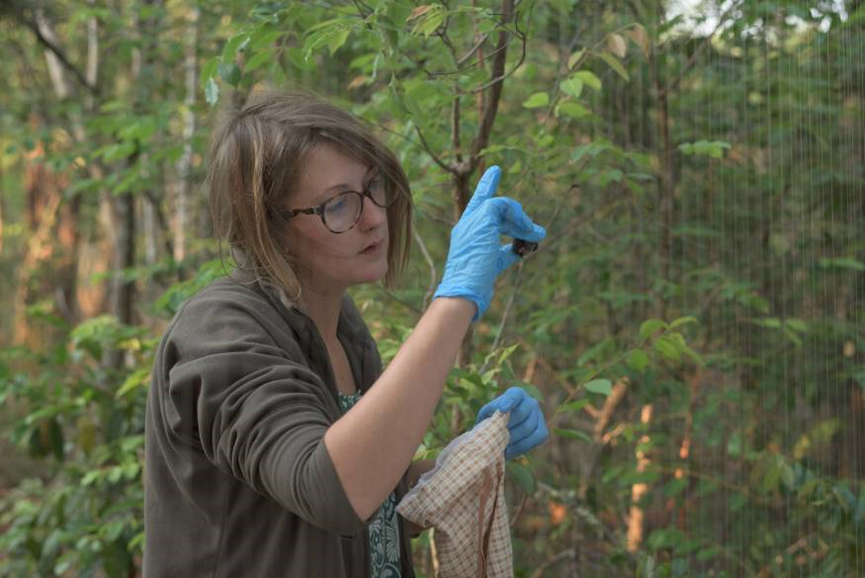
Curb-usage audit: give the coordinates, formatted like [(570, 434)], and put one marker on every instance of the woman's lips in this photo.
[(372, 248)]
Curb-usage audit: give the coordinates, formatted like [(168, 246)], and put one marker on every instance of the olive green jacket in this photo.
[(238, 481)]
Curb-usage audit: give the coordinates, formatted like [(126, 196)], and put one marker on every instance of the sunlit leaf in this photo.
[(537, 100), (650, 327), (639, 36), (589, 79), (638, 360), (617, 45), (614, 63), (575, 58), (572, 109), (572, 86), (211, 92), (601, 386)]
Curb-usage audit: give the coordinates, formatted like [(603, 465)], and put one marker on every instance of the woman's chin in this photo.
[(372, 275)]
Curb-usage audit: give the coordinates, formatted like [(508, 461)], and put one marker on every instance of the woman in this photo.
[(254, 465)]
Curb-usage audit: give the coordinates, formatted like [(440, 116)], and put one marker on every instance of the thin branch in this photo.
[(430, 152), (473, 49), (516, 67), (474, 64), (61, 56), (497, 340), (432, 266), (362, 8)]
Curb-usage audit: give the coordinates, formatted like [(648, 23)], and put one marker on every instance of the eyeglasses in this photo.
[(341, 212)]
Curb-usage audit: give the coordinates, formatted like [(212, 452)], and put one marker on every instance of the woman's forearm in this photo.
[(373, 445)]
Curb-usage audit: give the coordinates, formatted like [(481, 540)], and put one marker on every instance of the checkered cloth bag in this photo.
[(463, 498)]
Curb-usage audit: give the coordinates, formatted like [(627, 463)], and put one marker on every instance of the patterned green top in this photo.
[(383, 530)]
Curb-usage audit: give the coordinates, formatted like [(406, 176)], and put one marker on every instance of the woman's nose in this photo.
[(373, 215)]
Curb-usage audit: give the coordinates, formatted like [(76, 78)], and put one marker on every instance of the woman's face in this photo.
[(328, 262)]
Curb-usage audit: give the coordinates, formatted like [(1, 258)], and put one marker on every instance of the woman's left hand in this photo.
[(526, 424)]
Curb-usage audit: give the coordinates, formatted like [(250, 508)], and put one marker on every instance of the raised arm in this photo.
[(372, 445)]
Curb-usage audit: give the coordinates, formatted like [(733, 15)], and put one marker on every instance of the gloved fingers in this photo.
[(525, 428), (525, 409), (503, 403), (537, 437), (506, 257), (511, 398), (485, 412), (486, 188), (514, 222)]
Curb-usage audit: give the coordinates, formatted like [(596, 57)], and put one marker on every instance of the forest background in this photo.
[(693, 324)]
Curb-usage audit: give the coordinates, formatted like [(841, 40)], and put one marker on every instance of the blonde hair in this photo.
[(256, 161)]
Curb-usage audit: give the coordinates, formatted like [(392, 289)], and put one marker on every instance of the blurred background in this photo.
[(693, 324)]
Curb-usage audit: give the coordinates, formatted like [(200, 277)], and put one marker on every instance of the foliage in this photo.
[(692, 324)]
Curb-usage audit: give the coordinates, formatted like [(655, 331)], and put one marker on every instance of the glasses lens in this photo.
[(381, 194), (341, 213)]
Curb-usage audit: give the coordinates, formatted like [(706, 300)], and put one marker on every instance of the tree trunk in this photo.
[(184, 165)]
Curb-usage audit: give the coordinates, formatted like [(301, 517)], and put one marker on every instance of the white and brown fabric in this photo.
[(463, 498)]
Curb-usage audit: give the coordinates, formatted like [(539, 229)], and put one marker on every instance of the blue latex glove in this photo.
[(526, 423), (476, 256)]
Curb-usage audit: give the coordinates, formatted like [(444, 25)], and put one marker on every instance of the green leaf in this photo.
[(136, 379), (575, 58), (842, 263), (258, 59), (576, 405), (589, 79), (334, 35), (264, 38), (769, 322), (537, 100), (522, 475), (591, 149), (637, 360), (614, 63), (714, 149), (668, 349), (431, 18), (682, 321), (211, 92), (573, 434), (337, 40), (602, 386), (234, 44), (209, 69), (650, 327), (572, 109), (572, 86), (230, 73)]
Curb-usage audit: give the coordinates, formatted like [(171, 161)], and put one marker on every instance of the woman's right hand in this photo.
[(476, 256)]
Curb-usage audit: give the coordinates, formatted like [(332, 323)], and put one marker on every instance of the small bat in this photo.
[(523, 248)]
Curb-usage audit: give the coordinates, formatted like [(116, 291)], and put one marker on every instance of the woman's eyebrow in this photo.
[(345, 186)]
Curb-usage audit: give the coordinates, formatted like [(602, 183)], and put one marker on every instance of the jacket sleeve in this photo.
[(231, 392)]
